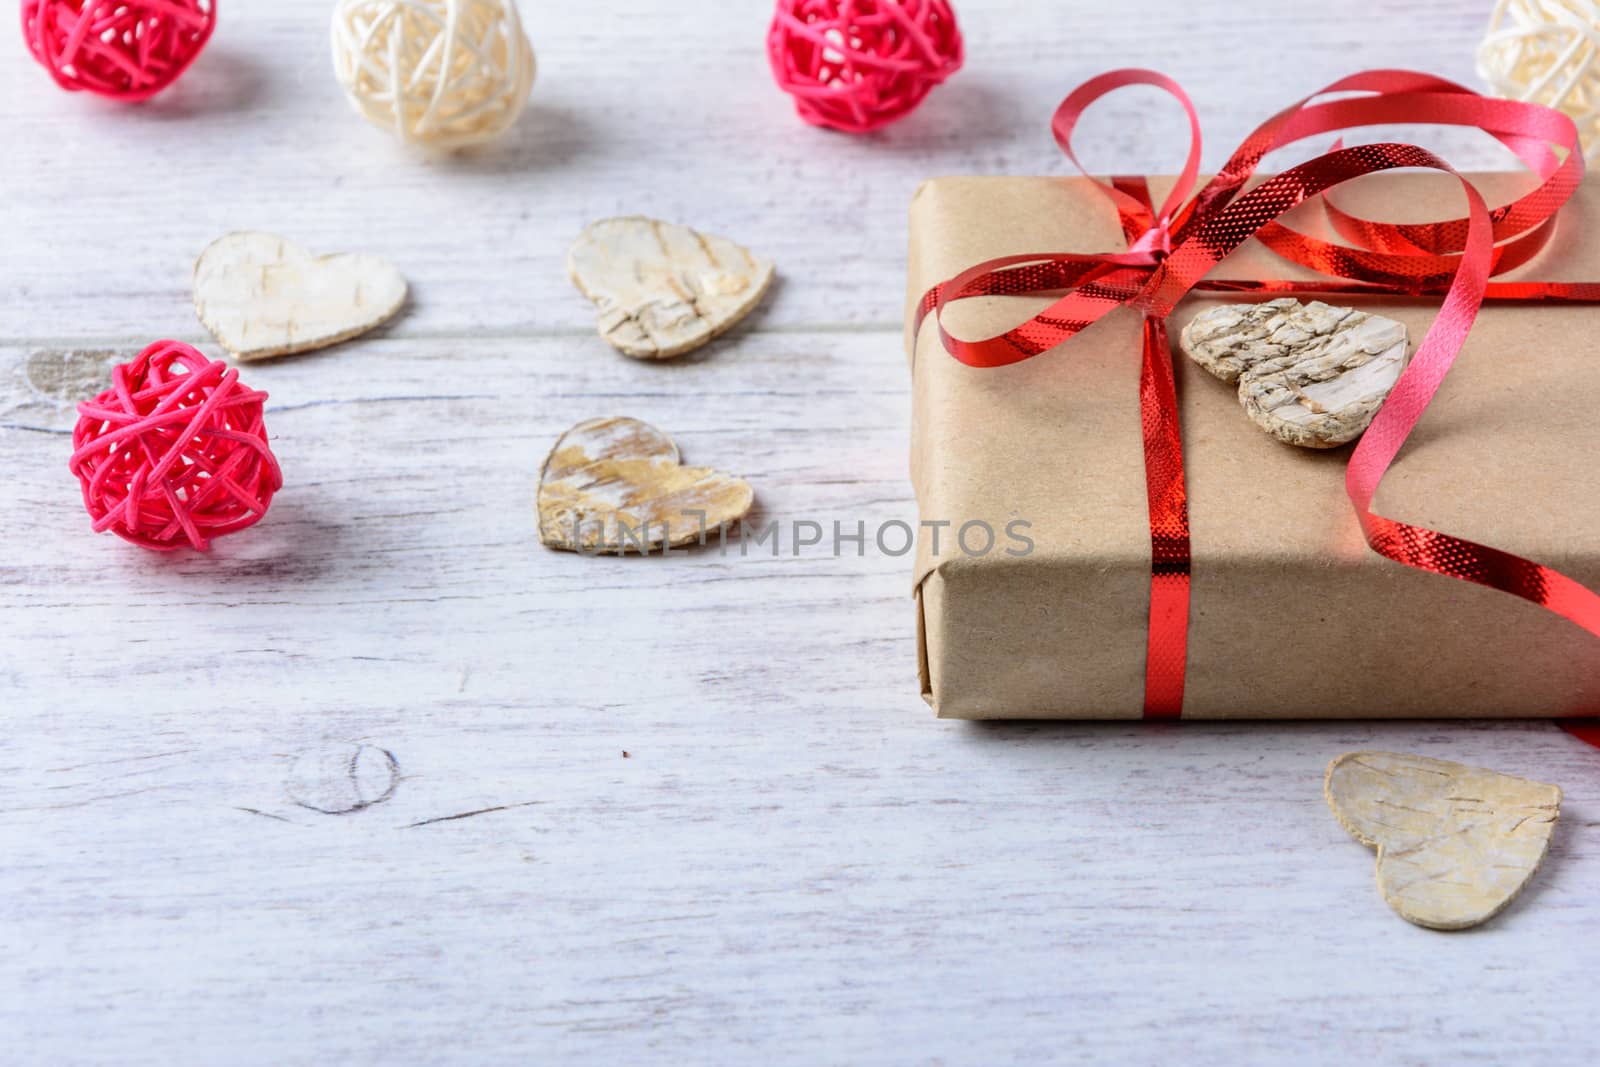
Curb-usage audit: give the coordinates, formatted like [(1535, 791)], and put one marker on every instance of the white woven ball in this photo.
[(1547, 52), (438, 73)]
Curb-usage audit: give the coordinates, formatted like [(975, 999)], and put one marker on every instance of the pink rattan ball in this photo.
[(124, 49), (175, 452), (856, 65)]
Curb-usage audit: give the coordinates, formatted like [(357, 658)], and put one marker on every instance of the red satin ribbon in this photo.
[(1171, 248)]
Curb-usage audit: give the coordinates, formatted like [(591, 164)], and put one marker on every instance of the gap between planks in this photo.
[(555, 333)]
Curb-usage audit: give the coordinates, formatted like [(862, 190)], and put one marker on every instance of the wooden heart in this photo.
[(615, 485), (1312, 375), (664, 289), (262, 296), (1455, 843)]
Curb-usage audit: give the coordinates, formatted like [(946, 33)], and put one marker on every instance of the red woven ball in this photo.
[(856, 65), (175, 452), (124, 49)]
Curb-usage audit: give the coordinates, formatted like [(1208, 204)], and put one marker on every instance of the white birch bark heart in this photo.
[(664, 289), (1455, 843), (616, 484), (1311, 374), (263, 296)]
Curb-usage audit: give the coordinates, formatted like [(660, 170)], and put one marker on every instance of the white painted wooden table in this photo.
[(646, 811)]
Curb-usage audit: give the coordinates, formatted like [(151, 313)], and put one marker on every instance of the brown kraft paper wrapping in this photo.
[(1291, 614)]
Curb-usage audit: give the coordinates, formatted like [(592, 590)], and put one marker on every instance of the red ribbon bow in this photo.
[(1171, 248)]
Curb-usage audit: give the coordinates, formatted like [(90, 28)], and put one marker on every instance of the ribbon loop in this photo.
[(1065, 120)]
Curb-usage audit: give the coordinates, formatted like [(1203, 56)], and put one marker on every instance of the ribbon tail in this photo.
[(1166, 650), (1585, 730)]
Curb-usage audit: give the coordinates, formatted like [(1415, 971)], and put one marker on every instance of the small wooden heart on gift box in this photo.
[(1312, 375)]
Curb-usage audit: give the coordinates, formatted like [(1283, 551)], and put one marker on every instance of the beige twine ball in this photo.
[(1547, 52), (439, 73)]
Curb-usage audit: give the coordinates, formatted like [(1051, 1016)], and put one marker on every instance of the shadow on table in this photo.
[(547, 136), (223, 80)]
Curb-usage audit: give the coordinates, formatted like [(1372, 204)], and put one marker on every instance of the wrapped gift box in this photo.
[(1292, 615)]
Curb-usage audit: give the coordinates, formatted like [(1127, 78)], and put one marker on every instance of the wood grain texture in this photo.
[(644, 810)]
